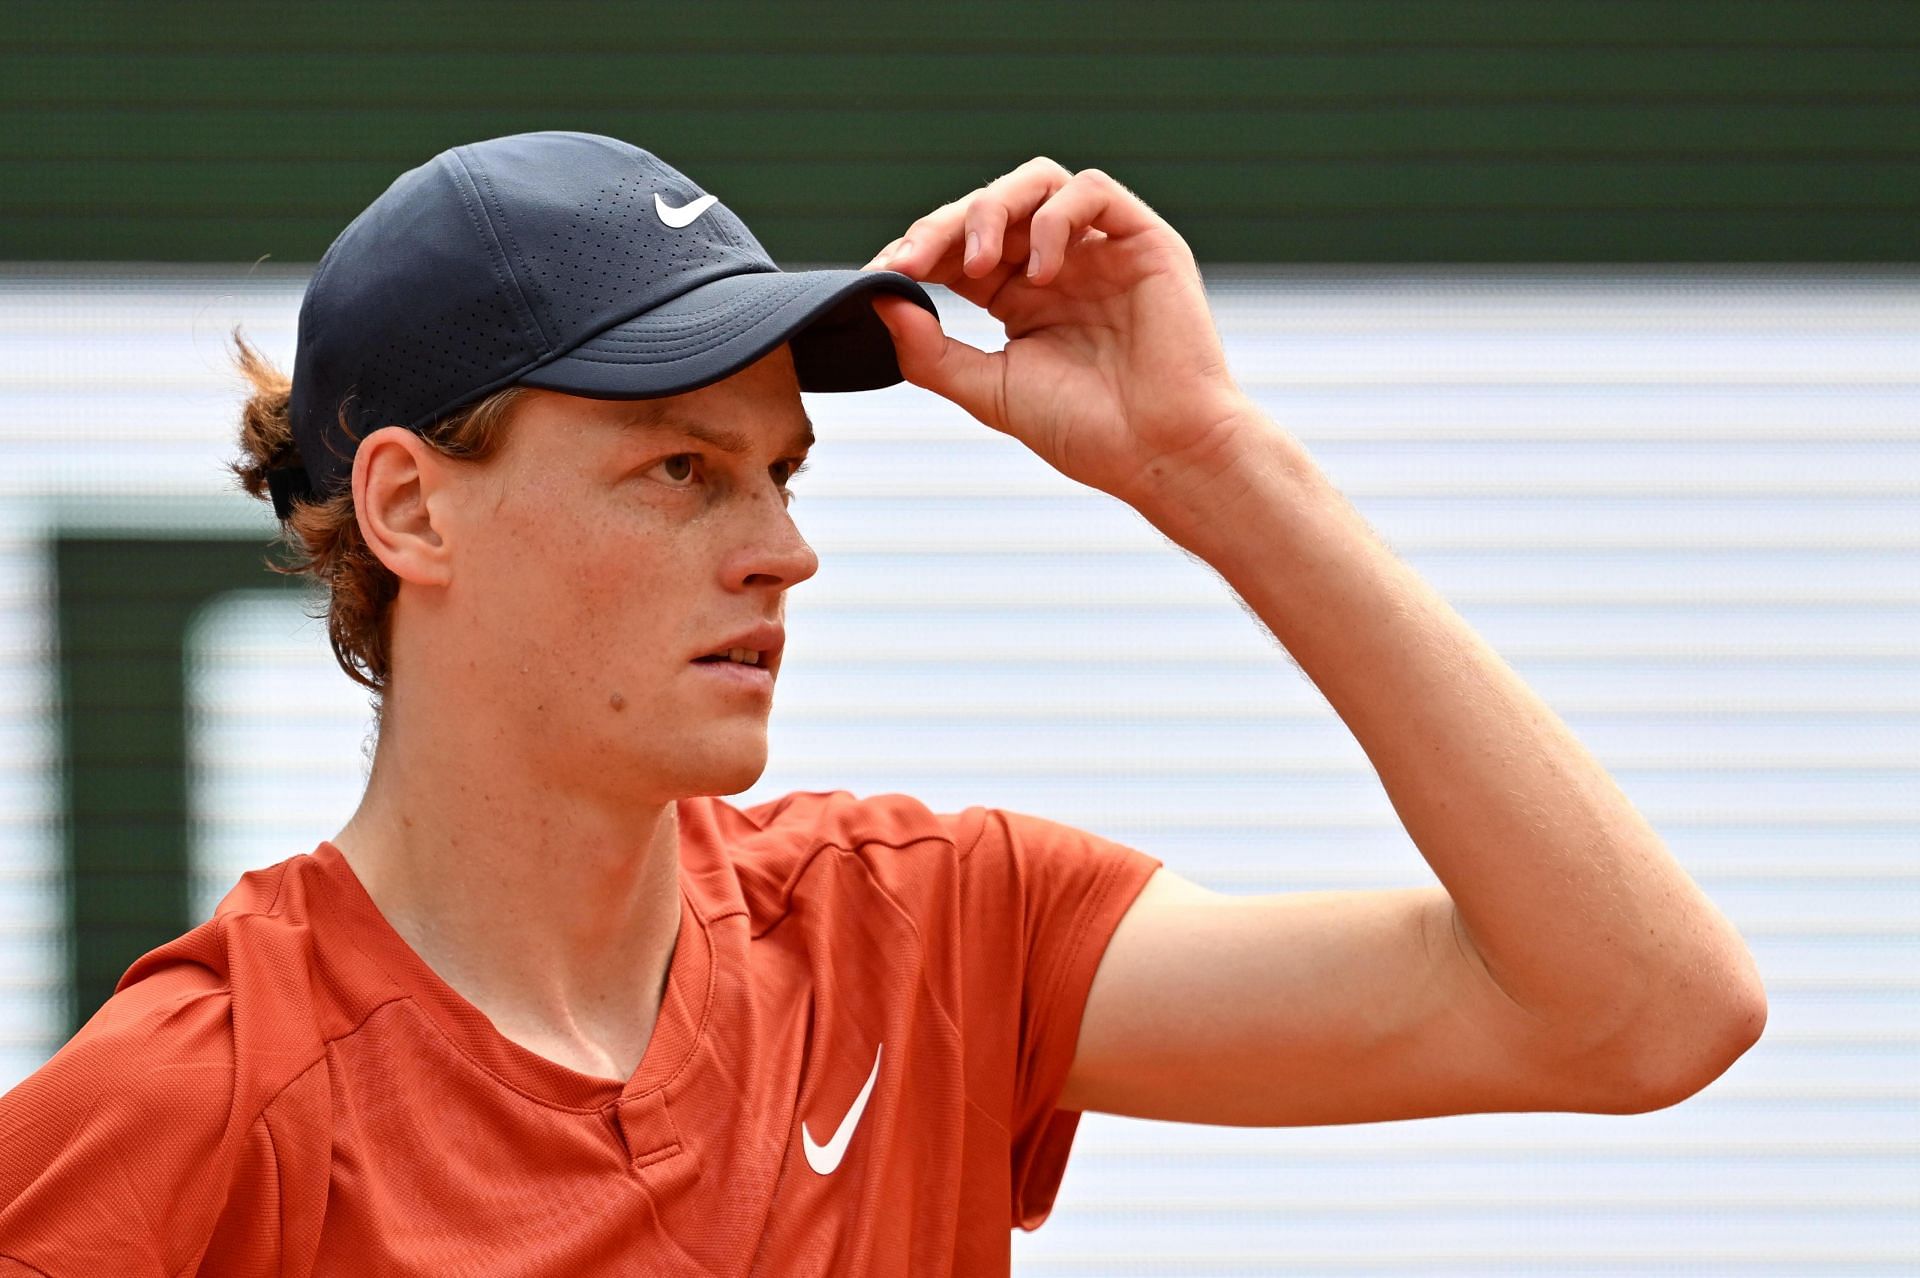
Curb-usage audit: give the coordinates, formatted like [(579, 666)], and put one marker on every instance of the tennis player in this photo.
[(547, 1004)]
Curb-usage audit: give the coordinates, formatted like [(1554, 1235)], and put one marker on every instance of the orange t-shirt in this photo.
[(869, 1015)]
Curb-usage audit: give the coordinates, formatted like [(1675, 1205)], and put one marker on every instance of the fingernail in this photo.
[(1033, 263), (903, 249), (973, 245)]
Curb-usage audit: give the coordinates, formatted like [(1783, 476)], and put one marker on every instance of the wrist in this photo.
[(1204, 492)]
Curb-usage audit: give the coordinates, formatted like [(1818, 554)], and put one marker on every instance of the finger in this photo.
[(986, 228), (928, 240), (948, 269), (936, 243), (967, 375), (983, 291), (878, 261), (1006, 201), (1091, 200)]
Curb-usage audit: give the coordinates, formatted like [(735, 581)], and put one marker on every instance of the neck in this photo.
[(554, 913)]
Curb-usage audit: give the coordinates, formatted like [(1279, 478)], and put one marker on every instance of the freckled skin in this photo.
[(583, 558)]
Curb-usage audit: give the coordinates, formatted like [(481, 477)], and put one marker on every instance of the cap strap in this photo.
[(288, 484)]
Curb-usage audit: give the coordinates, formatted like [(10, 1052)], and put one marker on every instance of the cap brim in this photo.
[(720, 327)]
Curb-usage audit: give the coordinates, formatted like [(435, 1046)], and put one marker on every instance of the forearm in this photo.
[(1572, 900)]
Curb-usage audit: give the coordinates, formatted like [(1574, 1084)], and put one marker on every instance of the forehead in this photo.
[(757, 408), (785, 430)]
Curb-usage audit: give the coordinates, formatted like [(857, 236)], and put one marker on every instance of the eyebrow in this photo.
[(727, 441)]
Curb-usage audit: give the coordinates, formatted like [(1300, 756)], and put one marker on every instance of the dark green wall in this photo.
[(123, 607), (1297, 130)]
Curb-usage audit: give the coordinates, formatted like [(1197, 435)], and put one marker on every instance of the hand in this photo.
[(1112, 371)]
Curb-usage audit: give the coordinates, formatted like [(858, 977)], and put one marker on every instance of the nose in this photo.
[(776, 554)]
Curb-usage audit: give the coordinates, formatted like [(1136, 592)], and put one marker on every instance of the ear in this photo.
[(397, 480)]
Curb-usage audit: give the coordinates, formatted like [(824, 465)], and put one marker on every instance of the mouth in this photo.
[(736, 656), (754, 650), (737, 674)]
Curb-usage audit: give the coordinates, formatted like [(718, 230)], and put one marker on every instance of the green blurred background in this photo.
[(1288, 131)]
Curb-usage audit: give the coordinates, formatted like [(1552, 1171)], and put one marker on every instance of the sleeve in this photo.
[(113, 1155), (1057, 893)]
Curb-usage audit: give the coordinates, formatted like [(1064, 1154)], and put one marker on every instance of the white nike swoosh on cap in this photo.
[(684, 215), (825, 1158)]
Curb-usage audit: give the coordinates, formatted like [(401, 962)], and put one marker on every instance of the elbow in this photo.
[(1683, 1065)]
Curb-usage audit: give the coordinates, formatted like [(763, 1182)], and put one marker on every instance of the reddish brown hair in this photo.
[(321, 537)]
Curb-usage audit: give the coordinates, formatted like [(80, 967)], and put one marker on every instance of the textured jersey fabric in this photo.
[(289, 1089)]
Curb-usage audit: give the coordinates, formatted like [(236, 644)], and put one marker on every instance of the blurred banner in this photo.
[(1266, 130)]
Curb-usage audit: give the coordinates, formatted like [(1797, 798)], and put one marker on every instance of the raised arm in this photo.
[(1565, 962)]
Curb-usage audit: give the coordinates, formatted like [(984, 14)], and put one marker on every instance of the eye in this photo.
[(784, 471), (669, 462)]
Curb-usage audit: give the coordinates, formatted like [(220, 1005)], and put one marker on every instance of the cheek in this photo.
[(595, 589)]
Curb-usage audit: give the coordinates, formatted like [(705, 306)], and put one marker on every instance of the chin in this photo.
[(725, 776), (734, 780)]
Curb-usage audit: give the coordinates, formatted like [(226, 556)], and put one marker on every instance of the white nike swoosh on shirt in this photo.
[(824, 1158), (684, 215)]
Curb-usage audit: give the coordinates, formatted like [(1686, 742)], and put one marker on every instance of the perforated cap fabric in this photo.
[(568, 261)]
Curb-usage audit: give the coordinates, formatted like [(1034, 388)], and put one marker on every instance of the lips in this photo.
[(766, 638)]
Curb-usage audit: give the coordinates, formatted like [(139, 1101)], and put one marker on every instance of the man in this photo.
[(547, 1005)]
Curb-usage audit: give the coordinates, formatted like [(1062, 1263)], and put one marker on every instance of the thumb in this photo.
[(967, 375)]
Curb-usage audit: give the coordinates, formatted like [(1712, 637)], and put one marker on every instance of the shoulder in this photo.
[(979, 853), (843, 819), (768, 856), (166, 1042), (164, 1092), (893, 841), (164, 1039), (200, 1034), (261, 960), (799, 824), (101, 1143)]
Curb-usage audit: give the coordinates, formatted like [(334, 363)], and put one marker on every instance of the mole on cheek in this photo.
[(617, 701)]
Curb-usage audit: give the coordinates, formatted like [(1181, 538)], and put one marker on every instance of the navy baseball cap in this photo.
[(568, 261)]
